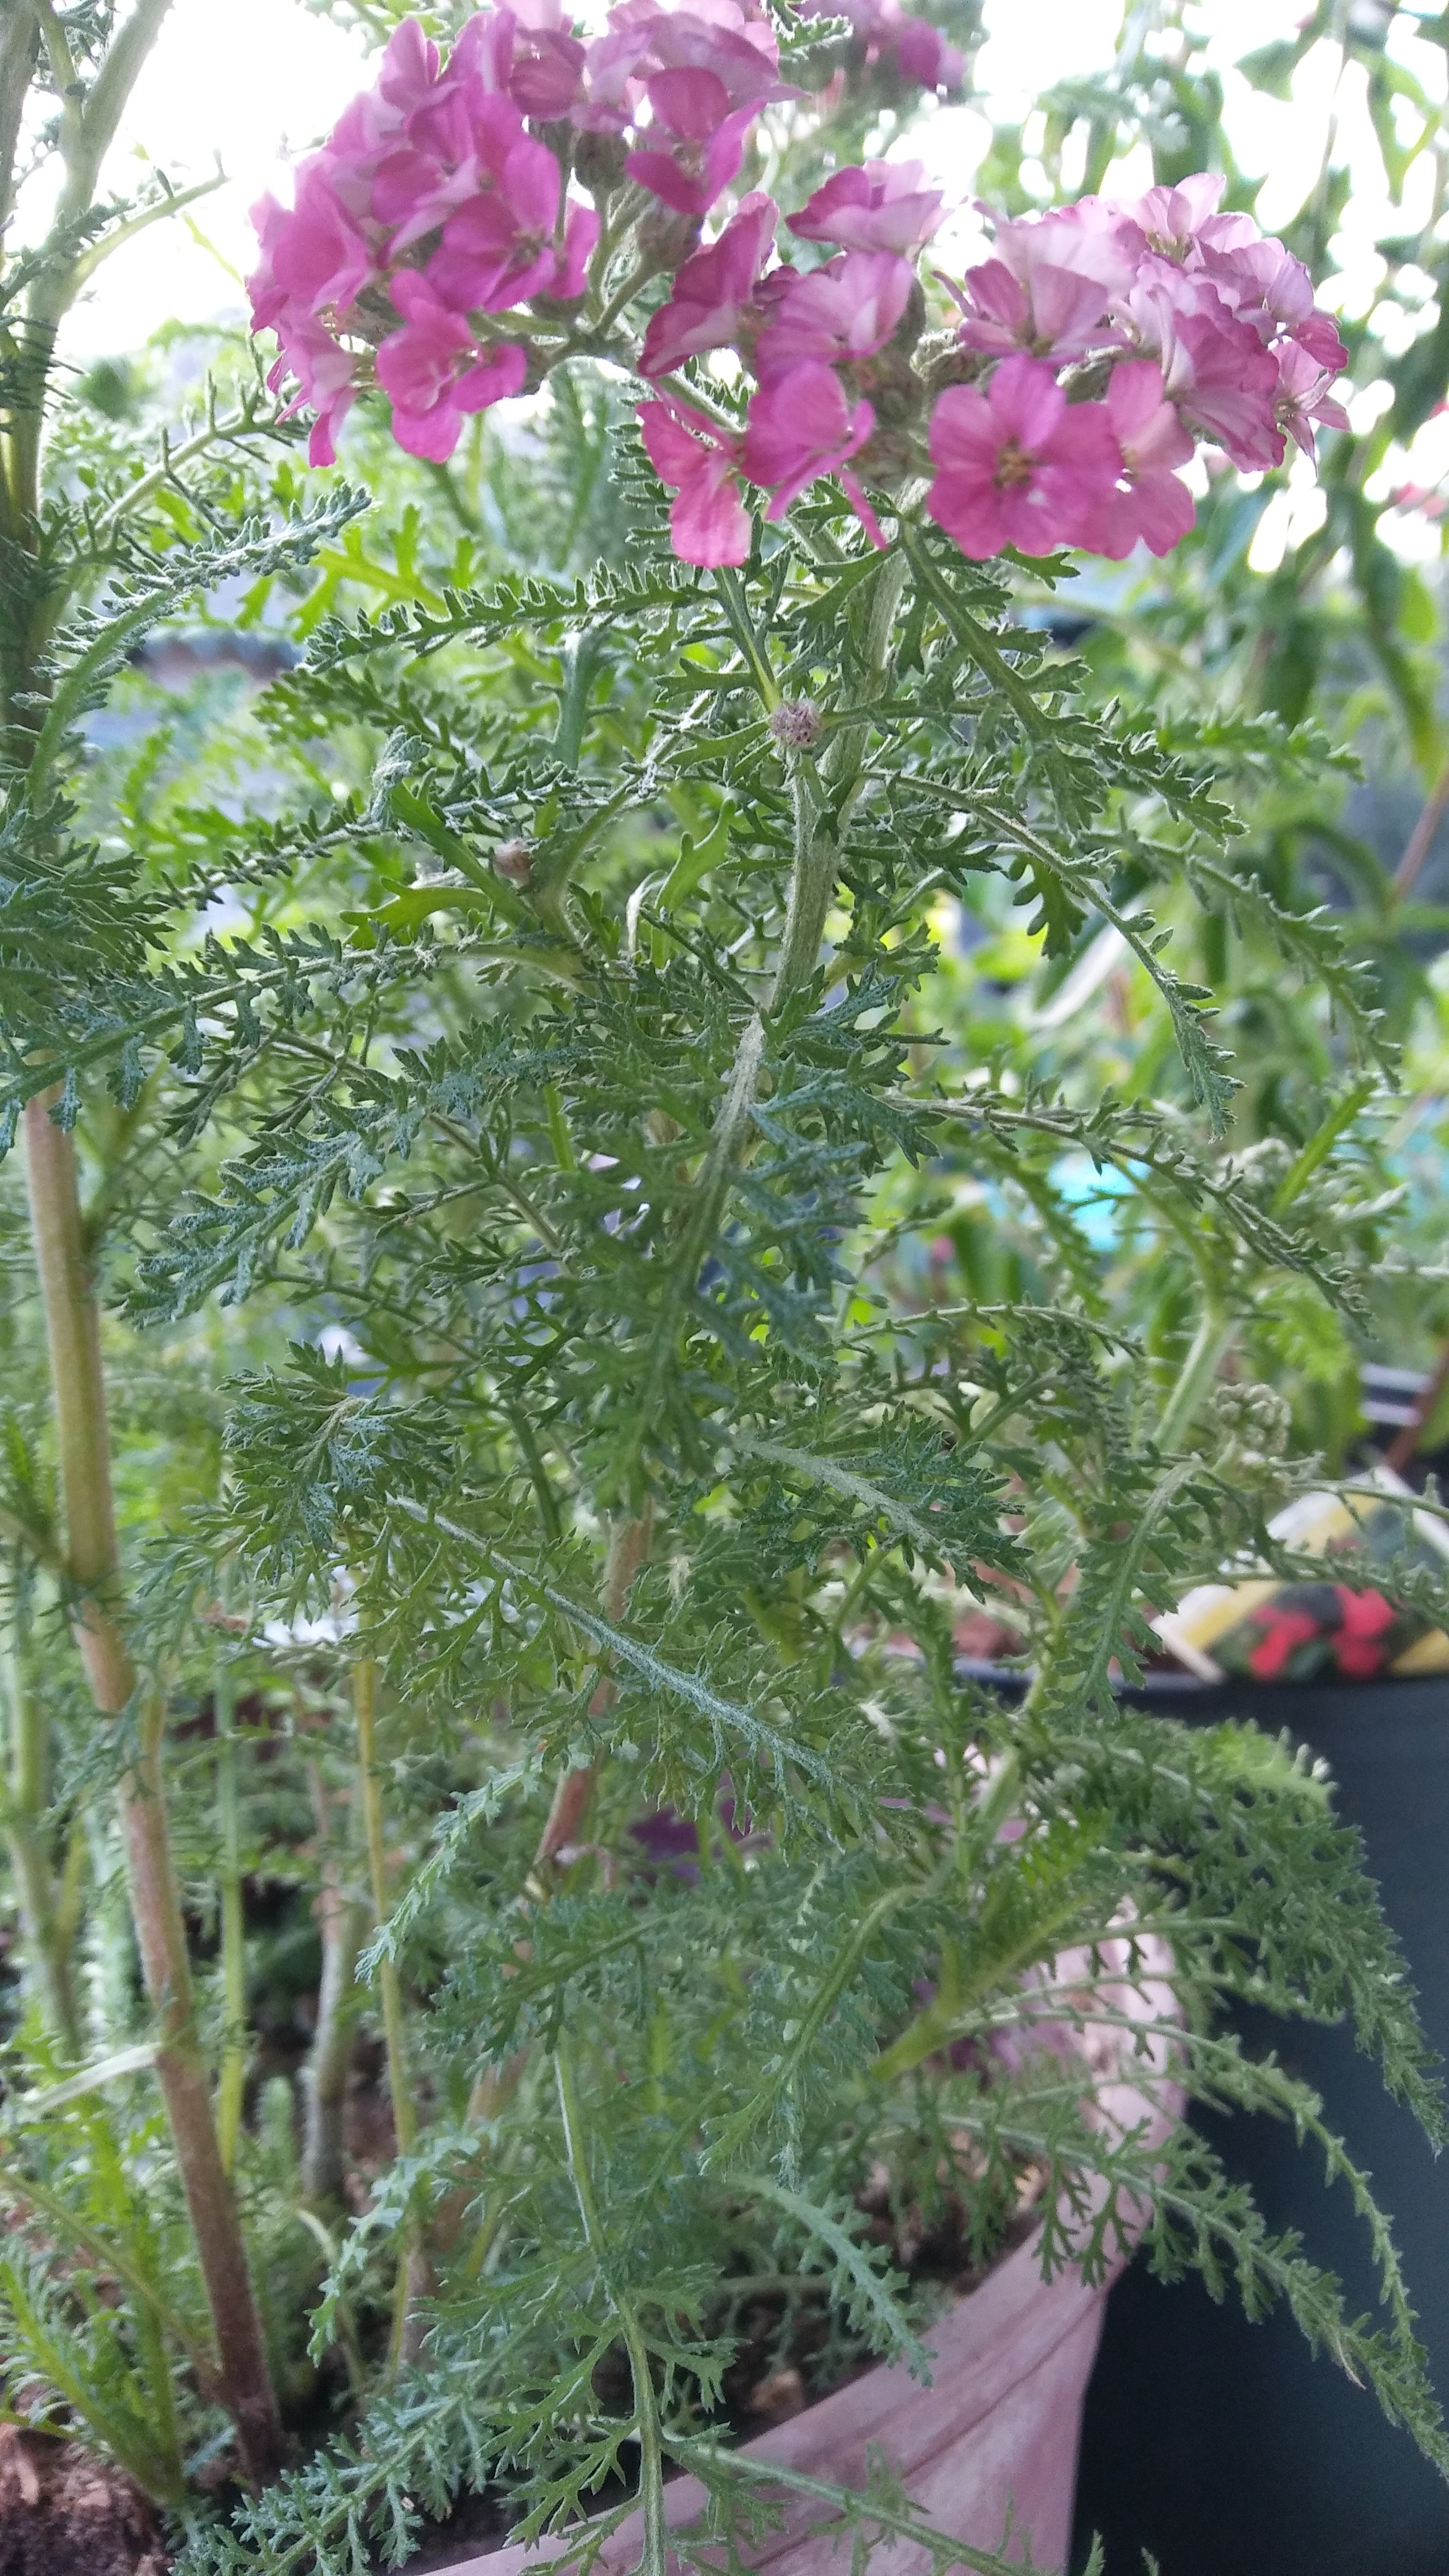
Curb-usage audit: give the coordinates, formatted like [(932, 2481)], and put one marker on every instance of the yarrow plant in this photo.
[(491, 1556), (1097, 349)]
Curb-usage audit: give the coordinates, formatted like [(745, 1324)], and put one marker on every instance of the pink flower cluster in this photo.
[(1102, 342), (1091, 353), (442, 198), (1224, 320)]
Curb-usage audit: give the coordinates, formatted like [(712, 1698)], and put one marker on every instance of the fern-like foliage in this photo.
[(522, 1099)]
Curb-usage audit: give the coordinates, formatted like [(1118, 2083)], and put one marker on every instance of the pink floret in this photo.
[(702, 140), (1151, 506), (803, 425), (879, 206), (708, 523), (711, 305), (1303, 397), (843, 312), (435, 373), (1017, 466)]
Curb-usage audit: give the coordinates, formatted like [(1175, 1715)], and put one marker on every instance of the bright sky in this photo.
[(252, 81)]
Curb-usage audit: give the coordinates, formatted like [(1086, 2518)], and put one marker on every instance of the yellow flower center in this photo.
[(1012, 467)]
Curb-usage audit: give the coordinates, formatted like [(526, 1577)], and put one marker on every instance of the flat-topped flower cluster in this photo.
[(533, 174)]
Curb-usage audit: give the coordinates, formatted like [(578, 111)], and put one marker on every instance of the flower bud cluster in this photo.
[(1092, 353)]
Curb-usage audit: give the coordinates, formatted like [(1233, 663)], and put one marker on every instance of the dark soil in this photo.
[(64, 2514)]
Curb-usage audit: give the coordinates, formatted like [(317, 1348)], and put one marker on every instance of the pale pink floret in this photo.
[(1017, 466), (1151, 505), (1262, 283), (410, 70), (435, 373), (708, 522), (843, 312), (711, 303), (410, 78), (882, 205), (1172, 220), (268, 299), (1058, 315), (1319, 336), (701, 140), (1303, 396), (1214, 367), (1050, 286), (804, 425), (643, 40)]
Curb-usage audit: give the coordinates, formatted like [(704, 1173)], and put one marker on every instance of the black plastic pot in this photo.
[(1228, 2449)]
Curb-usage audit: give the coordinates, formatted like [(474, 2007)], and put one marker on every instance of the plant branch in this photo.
[(655, 2559), (83, 1437)]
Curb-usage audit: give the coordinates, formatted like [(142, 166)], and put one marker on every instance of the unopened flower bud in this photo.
[(795, 724), (1256, 1418), (599, 162), (665, 239), (913, 319), (513, 860)]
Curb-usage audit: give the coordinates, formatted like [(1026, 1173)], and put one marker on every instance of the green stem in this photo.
[(1214, 1338), (831, 783), (78, 1393), (558, 1129), (342, 1922), (655, 2559), (364, 1704), (414, 2272), (812, 883), (231, 2080), (44, 1917)]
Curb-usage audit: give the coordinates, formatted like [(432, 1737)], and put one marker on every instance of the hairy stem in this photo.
[(88, 122), (342, 1918), (812, 883), (833, 782), (72, 1326)]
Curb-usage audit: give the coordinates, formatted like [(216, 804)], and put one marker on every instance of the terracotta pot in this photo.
[(995, 2435)]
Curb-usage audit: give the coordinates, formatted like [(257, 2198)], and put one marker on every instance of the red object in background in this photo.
[(1366, 1616), (1281, 1633), (1355, 1626)]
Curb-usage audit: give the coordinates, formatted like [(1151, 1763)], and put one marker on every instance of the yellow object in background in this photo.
[(1339, 1629)]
